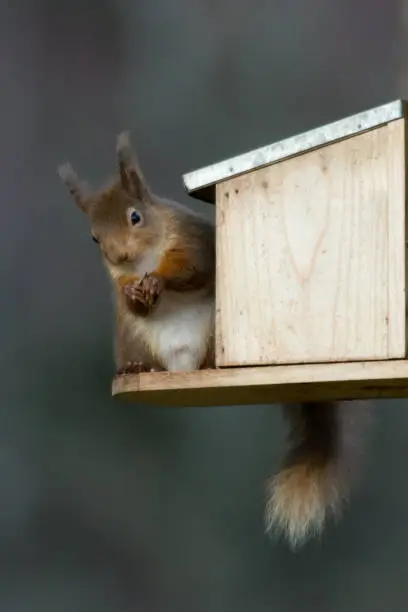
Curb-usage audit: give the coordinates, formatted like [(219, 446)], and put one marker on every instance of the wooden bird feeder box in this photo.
[(311, 278)]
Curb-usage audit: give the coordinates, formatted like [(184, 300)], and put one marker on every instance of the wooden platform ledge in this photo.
[(267, 384)]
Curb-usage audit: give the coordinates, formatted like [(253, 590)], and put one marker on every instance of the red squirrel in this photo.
[(160, 257)]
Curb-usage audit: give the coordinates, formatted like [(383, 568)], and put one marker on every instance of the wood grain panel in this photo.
[(311, 256)]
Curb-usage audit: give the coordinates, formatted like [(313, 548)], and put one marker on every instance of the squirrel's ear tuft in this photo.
[(78, 190), (131, 177)]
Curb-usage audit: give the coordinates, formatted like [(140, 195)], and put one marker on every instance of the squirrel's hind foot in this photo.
[(133, 367)]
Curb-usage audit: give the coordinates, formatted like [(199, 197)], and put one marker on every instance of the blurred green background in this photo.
[(115, 507)]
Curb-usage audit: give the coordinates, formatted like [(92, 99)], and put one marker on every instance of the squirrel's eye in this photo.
[(135, 217), (94, 238)]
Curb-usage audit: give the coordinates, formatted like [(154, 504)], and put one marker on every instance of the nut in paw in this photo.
[(142, 296), (151, 287), (135, 298)]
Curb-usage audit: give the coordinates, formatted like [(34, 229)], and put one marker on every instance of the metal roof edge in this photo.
[(202, 179)]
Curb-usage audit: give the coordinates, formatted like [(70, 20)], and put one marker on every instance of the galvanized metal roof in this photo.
[(201, 183)]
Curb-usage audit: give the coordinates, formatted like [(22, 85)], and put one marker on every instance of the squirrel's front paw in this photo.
[(152, 288), (142, 295), (136, 299)]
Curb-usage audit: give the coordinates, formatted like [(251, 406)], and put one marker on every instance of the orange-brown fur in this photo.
[(124, 280)]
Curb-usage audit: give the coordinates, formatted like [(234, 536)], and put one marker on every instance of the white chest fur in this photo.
[(177, 332), (180, 329), (147, 263)]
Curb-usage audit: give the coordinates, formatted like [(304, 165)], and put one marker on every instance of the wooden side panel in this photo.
[(311, 256), (397, 238)]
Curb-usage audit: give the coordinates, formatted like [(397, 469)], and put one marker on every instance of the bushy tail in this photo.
[(314, 480)]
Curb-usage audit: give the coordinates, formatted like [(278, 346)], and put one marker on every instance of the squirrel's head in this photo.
[(124, 217)]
